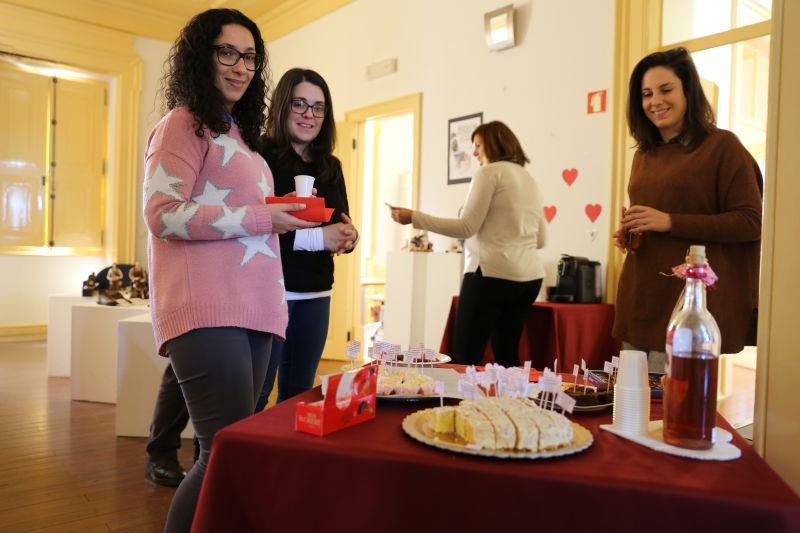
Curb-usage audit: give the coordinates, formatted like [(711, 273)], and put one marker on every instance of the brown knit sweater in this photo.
[(713, 194)]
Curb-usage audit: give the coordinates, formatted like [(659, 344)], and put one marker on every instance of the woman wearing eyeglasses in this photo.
[(503, 223), (216, 285), (300, 138)]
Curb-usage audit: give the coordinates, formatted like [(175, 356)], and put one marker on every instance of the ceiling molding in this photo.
[(163, 19), (290, 15)]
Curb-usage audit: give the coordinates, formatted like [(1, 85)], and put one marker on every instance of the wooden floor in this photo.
[(62, 469)]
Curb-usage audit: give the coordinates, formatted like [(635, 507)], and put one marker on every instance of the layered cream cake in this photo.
[(504, 424)]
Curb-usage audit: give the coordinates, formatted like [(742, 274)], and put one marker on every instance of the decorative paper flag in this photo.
[(585, 379), (608, 368), (583, 364), (527, 392), (615, 364), (550, 384), (575, 370), (565, 401), (555, 366), (353, 350), (438, 388), (490, 378), (468, 390)]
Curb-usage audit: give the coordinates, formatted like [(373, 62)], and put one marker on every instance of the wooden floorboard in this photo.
[(62, 469)]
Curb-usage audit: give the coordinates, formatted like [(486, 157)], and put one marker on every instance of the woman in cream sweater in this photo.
[(504, 225)]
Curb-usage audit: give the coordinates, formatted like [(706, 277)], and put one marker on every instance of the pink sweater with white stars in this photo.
[(213, 259)]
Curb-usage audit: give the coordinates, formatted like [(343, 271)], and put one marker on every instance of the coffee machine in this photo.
[(579, 281)]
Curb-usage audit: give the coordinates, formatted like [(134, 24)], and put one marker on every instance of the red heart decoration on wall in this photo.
[(550, 212), (570, 175), (593, 211)]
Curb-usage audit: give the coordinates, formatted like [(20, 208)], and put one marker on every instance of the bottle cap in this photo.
[(696, 255)]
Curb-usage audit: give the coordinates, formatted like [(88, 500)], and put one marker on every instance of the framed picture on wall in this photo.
[(461, 164)]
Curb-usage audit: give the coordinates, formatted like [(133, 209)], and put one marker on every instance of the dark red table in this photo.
[(569, 332), (264, 476)]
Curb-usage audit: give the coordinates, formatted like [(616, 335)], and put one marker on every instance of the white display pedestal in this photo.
[(419, 289), (139, 372), (94, 350), (59, 332)]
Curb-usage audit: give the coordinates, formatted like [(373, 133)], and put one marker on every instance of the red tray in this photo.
[(315, 210)]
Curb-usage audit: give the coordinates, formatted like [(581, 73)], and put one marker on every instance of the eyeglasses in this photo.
[(299, 106), (229, 57)]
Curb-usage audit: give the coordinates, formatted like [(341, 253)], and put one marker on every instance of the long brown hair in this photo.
[(278, 139), (699, 118), (500, 143), (189, 77)]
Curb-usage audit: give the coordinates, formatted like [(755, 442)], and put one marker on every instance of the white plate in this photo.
[(418, 427), (723, 449), (439, 359)]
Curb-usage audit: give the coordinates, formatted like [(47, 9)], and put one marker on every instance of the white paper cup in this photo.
[(631, 409), (632, 369), (304, 185)]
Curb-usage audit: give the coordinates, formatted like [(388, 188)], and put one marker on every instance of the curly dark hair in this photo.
[(699, 118), (500, 143), (189, 77), (278, 139)]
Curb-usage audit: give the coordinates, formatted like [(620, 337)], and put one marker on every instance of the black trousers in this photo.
[(169, 419), (492, 308)]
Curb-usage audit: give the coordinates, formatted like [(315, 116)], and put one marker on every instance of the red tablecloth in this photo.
[(264, 476), (570, 332)]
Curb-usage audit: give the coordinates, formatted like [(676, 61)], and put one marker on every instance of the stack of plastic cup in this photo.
[(632, 393)]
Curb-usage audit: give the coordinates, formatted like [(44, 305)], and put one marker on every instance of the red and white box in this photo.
[(350, 400)]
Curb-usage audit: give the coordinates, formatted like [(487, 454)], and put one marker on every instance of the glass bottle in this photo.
[(693, 346)]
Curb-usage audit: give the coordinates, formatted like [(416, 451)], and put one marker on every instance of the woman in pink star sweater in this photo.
[(216, 285)]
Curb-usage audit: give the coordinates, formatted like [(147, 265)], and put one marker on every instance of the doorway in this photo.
[(379, 149)]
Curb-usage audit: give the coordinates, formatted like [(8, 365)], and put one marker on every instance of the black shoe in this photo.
[(167, 472)]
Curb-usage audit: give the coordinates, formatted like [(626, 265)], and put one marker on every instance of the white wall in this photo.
[(153, 53), (539, 88)]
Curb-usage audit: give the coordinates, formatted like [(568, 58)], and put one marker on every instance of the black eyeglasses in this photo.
[(230, 56), (299, 106)]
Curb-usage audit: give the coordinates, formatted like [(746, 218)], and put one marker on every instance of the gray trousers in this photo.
[(221, 372)]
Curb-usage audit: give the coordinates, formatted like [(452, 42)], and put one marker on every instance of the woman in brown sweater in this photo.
[(691, 183)]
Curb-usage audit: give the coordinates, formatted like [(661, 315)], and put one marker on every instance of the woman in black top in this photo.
[(300, 138)]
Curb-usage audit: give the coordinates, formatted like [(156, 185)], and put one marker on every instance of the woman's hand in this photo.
[(339, 238), (283, 221), (621, 235), (401, 215), (640, 218)]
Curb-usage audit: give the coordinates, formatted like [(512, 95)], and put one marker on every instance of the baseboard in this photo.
[(32, 330)]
